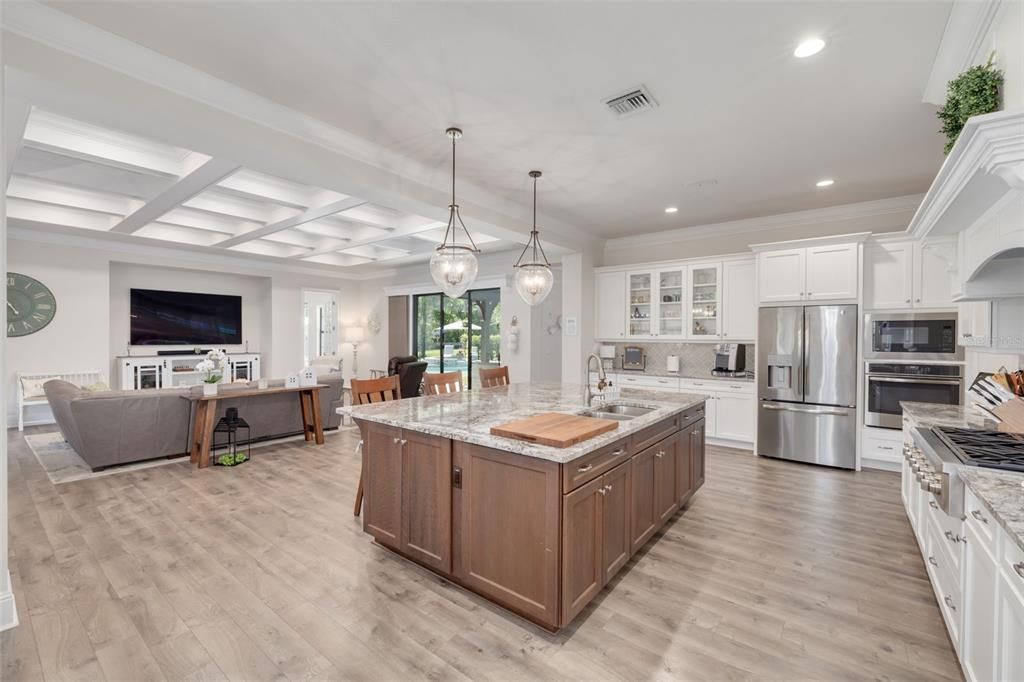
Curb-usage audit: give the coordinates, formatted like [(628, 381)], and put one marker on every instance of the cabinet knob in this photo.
[(978, 515), (932, 561), (602, 491), (810, 294), (908, 300), (949, 602), (403, 441), (917, 300), (608, 487), (659, 454), (396, 440)]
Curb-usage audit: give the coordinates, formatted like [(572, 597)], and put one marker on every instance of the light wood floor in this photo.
[(775, 571)]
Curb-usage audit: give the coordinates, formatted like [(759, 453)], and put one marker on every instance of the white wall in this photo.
[(1007, 42), (577, 306), (91, 281)]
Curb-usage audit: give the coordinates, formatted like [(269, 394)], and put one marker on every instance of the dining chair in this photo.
[(494, 377), (365, 392), (443, 382)]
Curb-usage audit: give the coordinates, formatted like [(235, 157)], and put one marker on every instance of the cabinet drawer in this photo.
[(980, 521), (652, 434), (946, 584), (1012, 562), (948, 532), (882, 449), (644, 381), (589, 467), (691, 415)]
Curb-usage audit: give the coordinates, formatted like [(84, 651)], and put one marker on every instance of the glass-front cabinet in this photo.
[(705, 301), (640, 295), (671, 303)]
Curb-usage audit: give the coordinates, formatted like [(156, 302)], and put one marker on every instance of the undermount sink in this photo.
[(621, 412)]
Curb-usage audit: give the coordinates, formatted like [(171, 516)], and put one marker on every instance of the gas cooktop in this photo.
[(991, 449)]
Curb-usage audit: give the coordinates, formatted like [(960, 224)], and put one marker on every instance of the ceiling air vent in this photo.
[(631, 102)]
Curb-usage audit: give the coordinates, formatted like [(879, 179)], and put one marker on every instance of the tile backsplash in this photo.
[(695, 359)]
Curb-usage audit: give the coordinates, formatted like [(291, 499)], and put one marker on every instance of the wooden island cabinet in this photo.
[(538, 537)]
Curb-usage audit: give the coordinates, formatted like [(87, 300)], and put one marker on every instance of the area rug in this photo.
[(63, 465)]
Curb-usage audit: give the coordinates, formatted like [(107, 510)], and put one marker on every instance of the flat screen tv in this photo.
[(164, 318)]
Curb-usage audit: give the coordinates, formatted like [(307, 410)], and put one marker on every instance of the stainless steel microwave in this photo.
[(911, 336)]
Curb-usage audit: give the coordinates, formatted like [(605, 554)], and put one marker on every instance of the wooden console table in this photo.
[(206, 416)]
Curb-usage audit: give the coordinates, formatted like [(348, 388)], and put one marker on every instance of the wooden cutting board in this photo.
[(554, 429)]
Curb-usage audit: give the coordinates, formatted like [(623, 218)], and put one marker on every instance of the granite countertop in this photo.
[(468, 416), (1002, 492), (671, 375), (930, 414)]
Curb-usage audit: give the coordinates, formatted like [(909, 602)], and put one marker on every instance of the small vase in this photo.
[(209, 389)]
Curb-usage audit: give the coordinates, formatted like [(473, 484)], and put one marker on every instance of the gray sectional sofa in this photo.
[(107, 428)]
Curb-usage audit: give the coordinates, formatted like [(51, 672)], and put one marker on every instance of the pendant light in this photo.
[(453, 266), (534, 278)]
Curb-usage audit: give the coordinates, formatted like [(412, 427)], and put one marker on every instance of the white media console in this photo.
[(168, 371)]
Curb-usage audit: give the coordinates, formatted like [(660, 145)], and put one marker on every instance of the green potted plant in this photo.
[(972, 93)]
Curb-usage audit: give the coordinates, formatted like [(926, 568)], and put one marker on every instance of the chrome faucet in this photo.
[(602, 379)]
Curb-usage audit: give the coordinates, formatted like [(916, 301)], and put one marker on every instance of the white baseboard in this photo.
[(8, 609)]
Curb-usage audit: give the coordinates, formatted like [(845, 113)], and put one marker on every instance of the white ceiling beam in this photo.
[(43, 191), (211, 172), (16, 112), (306, 216), (403, 231)]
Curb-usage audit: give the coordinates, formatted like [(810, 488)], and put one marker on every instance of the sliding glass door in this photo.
[(458, 334)]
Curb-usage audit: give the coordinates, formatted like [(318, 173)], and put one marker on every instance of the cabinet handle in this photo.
[(608, 487), (933, 504), (404, 441), (602, 491), (1019, 567), (659, 454), (809, 294), (932, 561), (585, 468), (396, 440), (907, 301), (886, 447), (917, 301), (967, 335), (949, 536), (978, 515), (618, 452), (949, 602)]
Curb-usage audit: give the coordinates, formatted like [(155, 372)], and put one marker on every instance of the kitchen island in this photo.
[(536, 529)]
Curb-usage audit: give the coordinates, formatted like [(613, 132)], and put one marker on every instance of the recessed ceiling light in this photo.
[(809, 47), (825, 183), (671, 209)]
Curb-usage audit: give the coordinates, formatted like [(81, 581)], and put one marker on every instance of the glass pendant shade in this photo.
[(534, 278), (534, 282), (454, 269), (454, 266)]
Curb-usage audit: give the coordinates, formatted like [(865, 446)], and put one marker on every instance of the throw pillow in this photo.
[(98, 386), (32, 388)]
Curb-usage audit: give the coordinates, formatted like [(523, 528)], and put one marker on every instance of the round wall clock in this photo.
[(30, 305)]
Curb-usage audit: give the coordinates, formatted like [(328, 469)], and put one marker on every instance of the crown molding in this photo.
[(856, 237), (963, 44), (985, 164), (54, 29), (814, 216)]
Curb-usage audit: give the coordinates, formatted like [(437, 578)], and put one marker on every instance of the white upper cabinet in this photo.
[(705, 301), (671, 303), (831, 272), (910, 274), (610, 298), (739, 292), (825, 272), (888, 275), (935, 268), (974, 323), (781, 275)]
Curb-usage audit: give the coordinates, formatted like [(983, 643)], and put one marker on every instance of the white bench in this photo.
[(30, 389)]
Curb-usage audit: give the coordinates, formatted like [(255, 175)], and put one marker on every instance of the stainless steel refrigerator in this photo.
[(807, 384)]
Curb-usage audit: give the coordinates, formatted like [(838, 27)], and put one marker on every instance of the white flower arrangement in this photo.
[(213, 366)]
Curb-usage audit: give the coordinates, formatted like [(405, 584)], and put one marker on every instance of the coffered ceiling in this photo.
[(75, 176), (527, 81)]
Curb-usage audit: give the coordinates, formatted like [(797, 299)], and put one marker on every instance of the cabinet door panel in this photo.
[(831, 272), (705, 309), (934, 269), (644, 518), (582, 551), (780, 275), (888, 276), (739, 288), (684, 464), (611, 305), (642, 290), (1010, 628), (666, 501), (697, 454), (616, 536), (734, 417), (978, 649), (506, 529), (671, 303), (382, 483), (427, 499)]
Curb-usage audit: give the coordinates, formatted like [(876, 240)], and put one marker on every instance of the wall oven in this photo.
[(889, 384), (917, 337)]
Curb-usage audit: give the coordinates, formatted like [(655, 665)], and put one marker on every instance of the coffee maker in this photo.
[(730, 360)]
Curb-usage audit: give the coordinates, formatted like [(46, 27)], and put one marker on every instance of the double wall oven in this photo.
[(910, 357)]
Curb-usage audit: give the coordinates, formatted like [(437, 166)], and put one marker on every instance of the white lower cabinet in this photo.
[(977, 573), (729, 411)]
